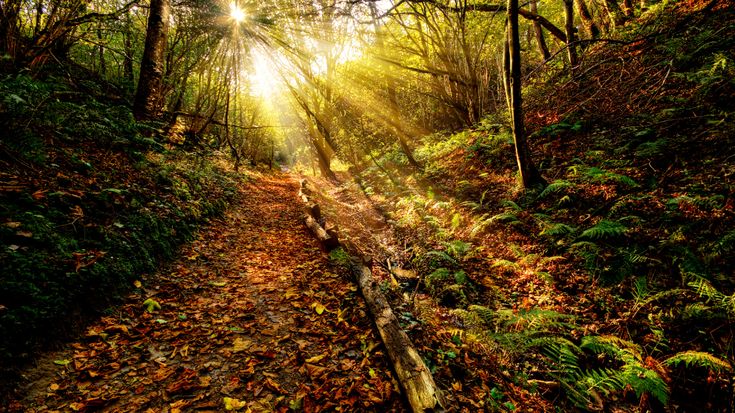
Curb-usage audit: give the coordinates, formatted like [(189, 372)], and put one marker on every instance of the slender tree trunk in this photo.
[(528, 173), (390, 86), (539, 32), (101, 51), (39, 13), (593, 31), (228, 139), (147, 97), (628, 8), (569, 31), (128, 46), (617, 18)]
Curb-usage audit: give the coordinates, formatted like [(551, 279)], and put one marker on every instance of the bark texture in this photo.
[(148, 97), (528, 173)]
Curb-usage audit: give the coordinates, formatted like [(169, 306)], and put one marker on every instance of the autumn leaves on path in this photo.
[(252, 317)]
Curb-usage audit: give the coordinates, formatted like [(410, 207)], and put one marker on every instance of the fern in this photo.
[(701, 359), (507, 203), (601, 175), (704, 203), (457, 248), (507, 264), (651, 149), (554, 187), (705, 289), (722, 247), (557, 230), (610, 345), (505, 217), (483, 222), (440, 256), (604, 230), (436, 277)]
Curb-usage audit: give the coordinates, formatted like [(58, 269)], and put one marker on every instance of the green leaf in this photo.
[(151, 305)]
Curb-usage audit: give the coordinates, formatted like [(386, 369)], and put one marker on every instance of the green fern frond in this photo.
[(487, 315), (557, 230), (604, 230), (483, 222), (724, 245), (507, 203), (602, 380), (506, 264), (706, 203), (565, 358), (645, 381), (441, 256), (553, 340), (601, 175), (706, 290), (541, 217), (651, 149), (611, 345), (504, 217), (457, 248), (700, 359), (554, 187)]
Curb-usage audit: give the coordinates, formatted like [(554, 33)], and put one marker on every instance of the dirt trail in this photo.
[(252, 316)]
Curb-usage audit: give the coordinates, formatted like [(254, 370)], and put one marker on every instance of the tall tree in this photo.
[(589, 24), (528, 173), (569, 30), (148, 97), (539, 32)]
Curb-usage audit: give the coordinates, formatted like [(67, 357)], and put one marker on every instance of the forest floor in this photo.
[(252, 317)]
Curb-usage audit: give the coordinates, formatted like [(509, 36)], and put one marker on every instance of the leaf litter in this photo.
[(252, 317)]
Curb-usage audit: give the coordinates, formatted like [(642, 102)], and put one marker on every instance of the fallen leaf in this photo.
[(315, 359), (151, 305), (274, 386), (25, 234), (63, 362), (315, 371), (241, 344), (319, 308), (12, 224), (137, 284), (177, 406), (233, 404)]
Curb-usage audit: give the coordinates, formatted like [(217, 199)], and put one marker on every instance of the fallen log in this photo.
[(328, 241), (312, 209), (414, 376)]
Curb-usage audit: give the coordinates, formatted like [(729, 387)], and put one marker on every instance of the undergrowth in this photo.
[(89, 200), (615, 281)]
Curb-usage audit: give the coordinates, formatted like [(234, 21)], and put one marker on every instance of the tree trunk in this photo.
[(628, 8), (101, 51), (617, 18), (418, 385), (539, 32), (147, 98), (569, 31), (590, 27), (528, 173), (128, 47)]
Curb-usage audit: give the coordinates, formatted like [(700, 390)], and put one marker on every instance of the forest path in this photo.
[(252, 317)]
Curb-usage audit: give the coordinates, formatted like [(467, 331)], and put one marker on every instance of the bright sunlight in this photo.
[(263, 76), (237, 14)]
